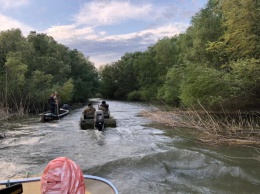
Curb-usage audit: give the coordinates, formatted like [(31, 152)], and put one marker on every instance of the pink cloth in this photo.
[(62, 176)]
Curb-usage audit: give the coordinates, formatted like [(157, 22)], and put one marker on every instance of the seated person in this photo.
[(104, 106), (90, 110)]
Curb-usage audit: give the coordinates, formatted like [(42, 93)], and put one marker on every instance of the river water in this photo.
[(137, 157)]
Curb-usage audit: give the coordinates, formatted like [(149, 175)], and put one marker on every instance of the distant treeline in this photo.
[(214, 64), (33, 67)]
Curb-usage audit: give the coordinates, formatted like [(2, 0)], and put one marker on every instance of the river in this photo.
[(137, 157)]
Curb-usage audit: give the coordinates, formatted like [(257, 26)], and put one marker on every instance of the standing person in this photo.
[(52, 103), (57, 100)]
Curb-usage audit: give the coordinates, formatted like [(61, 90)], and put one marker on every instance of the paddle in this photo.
[(57, 99), (58, 109)]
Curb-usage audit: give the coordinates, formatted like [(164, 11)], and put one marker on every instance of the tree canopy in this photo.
[(33, 67)]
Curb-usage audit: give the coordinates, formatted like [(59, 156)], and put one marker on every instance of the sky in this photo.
[(103, 30)]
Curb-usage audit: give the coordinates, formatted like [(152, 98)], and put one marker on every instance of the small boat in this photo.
[(48, 116), (99, 120), (94, 185)]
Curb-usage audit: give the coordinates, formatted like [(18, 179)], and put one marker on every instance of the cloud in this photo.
[(9, 23), (103, 50), (69, 33), (107, 13), (152, 34), (6, 4)]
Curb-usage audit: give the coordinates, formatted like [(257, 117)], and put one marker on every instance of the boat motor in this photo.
[(99, 120), (65, 106)]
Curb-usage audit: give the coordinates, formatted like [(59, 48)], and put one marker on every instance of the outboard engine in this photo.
[(99, 120), (65, 106)]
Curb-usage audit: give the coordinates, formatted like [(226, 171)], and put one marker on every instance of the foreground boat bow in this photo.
[(94, 185)]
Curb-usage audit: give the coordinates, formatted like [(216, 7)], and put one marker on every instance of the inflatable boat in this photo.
[(99, 120), (48, 116)]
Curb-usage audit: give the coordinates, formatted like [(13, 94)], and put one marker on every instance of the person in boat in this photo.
[(57, 100), (89, 109), (63, 176), (104, 106), (52, 103)]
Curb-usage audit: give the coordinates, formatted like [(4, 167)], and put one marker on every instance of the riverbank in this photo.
[(4, 115), (214, 129)]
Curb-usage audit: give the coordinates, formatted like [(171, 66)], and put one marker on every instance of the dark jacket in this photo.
[(51, 102)]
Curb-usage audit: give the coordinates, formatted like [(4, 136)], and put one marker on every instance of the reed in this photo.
[(220, 129), (216, 128)]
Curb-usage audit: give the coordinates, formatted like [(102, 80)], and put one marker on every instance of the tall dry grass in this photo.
[(217, 128)]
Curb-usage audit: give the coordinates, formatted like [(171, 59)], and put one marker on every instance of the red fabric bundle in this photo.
[(62, 176)]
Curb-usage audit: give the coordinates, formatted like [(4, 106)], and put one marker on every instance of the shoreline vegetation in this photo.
[(215, 128), (4, 115)]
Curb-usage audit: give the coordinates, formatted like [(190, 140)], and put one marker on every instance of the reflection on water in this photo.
[(136, 156)]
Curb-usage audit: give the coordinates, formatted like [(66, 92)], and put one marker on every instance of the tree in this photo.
[(15, 81), (84, 75), (207, 86), (108, 82), (126, 77), (241, 38), (145, 69), (40, 88), (170, 92)]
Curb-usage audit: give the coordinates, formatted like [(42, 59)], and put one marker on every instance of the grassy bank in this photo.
[(221, 128)]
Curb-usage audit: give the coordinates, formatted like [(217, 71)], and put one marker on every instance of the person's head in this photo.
[(90, 104), (63, 176), (103, 102), (52, 95)]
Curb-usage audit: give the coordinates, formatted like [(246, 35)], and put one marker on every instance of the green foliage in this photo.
[(148, 93), (206, 27), (34, 67), (119, 79), (66, 91), (171, 89), (202, 85), (241, 38), (40, 88), (148, 75), (134, 96), (10, 40), (245, 83), (109, 81), (85, 77), (166, 54), (15, 68)]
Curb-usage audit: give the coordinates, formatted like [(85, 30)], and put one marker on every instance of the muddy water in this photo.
[(138, 158)]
